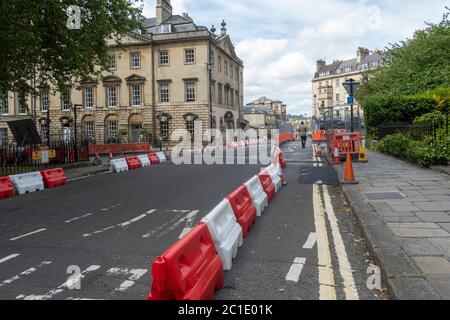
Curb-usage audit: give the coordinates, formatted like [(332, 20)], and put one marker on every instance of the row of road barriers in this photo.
[(193, 268), (31, 182), (136, 162)]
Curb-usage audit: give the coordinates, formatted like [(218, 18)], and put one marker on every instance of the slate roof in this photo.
[(179, 24), (257, 109), (336, 65)]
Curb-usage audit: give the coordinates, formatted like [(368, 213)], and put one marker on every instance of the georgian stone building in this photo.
[(277, 107), (327, 89), (166, 78)]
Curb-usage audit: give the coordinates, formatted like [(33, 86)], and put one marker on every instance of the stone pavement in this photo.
[(405, 213)]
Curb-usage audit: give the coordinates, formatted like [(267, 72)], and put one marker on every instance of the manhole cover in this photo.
[(384, 196)]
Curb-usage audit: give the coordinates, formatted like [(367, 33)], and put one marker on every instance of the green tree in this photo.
[(36, 41), (413, 65)]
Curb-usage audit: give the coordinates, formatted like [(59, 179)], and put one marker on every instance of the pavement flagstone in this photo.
[(407, 222)]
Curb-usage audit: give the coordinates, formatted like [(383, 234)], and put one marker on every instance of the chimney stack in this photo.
[(361, 54), (186, 16), (163, 10), (320, 64)]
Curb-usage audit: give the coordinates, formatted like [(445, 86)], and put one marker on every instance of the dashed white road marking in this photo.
[(12, 256), (121, 225), (296, 270), (326, 274), (311, 241), (24, 273), (135, 275), (71, 282), (28, 234), (351, 293), (173, 224), (162, 229), (189, 223), (111, 207), (78, 218)]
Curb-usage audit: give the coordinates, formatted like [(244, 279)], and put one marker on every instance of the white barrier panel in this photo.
[(259, 197), (28, 182), (145, 161), (225, 231), (162, 157), (273, 173), (118, 165)]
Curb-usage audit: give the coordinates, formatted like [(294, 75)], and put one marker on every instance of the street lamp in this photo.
[(75, 107), (351, 86)]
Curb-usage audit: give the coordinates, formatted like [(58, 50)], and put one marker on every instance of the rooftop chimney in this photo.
[(320, 64), (361, 54), (186, 16), (163, 10)]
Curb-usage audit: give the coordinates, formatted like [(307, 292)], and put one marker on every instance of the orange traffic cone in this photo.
[(349, 175)]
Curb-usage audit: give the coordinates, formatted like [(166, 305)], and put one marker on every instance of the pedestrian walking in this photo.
[(303, 132)]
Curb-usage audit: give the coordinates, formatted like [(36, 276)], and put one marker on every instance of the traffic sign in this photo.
[(351, 100)]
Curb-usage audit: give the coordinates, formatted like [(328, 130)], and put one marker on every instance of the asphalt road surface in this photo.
[(97, 237)]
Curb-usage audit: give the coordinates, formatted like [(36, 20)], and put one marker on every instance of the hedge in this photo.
[(425, 152), (381, 108)]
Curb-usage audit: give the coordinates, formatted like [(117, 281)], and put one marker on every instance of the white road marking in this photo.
[(326, 274), (111, 207), (189, 223), (311, 241), (296, 270), (121, 225), (71, 282), (78, 218), (24, 273), (178, 211), (162, 228), (28, 234), (135, 274), (12, 256), (351, 293)]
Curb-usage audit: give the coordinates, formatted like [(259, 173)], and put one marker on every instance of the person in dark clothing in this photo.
[(303, 132)]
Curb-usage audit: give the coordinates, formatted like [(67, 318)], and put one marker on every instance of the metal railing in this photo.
[(16, 159)]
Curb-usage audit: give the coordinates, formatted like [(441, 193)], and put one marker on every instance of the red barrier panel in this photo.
[(319, 136), (54, 177), (119, 148), (133, 163), (6, 188), (346, 143), (282, 160), (154, 159), (243, 208), (268, 185), (189, 270), (285, 137)]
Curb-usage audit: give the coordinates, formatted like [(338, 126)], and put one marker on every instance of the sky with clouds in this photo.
[(280, 40)]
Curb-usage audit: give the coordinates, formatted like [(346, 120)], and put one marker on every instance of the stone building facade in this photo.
[(277, 107), (327, 86), (161, 80)]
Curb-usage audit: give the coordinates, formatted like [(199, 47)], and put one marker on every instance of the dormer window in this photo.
[(166, 28)]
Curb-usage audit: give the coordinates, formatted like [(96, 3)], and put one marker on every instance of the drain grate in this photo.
[(373, 196)]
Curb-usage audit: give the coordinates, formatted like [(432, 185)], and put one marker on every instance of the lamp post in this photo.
[(75, 107), (351, 86)]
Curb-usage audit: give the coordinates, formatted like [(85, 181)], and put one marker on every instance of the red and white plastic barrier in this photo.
[(224, 227), (31, 182), (225, 231)]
